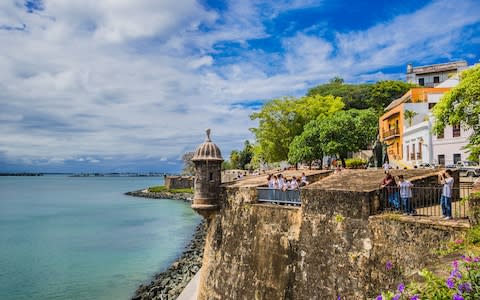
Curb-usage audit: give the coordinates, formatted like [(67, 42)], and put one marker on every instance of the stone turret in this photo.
[(208, 166)]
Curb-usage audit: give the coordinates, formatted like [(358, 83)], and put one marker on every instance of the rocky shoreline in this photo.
[(161, 195), (169, 284)]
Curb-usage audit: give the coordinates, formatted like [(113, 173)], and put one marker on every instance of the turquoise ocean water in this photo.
[(81, 238)]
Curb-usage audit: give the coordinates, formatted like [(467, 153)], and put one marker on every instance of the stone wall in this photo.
[(409, 243), (333, 245), (250, 251), (178, 182)]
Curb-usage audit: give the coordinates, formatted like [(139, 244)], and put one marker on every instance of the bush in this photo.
[(158, 188), (355, 163), (162, 188), (462, 284)]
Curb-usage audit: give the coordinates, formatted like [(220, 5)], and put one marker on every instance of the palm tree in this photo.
[(409, 115)]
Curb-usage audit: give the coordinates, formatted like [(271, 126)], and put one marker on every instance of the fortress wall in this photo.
[(332, 246), (250, 251)]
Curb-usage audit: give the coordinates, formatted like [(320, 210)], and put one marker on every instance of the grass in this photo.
[(162, 188)]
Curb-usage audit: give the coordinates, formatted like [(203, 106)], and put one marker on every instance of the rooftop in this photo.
[(451, 66)]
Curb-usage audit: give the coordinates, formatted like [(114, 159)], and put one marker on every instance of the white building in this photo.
[(417, 137), (434, 75), (422, 146), (449, 147)]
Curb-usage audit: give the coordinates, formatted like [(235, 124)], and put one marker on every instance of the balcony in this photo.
[(390, 134)]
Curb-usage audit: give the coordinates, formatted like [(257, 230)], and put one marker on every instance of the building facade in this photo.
[(393, 123), (434, 75), (449, 147), (420, 145)]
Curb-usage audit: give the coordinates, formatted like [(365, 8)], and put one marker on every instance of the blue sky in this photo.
[(119, 85)]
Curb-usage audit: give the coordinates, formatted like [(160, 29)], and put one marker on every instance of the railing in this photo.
[(425, 200), (276, 196), (391, 132)]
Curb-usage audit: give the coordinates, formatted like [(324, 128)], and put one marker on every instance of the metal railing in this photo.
[(278, 196), (391, 132), (425, 200)]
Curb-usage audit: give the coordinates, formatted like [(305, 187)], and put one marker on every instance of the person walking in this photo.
[(446, 179), (405, 187)]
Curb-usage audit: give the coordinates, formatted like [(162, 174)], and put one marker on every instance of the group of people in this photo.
[(278, 182), (403, 188)]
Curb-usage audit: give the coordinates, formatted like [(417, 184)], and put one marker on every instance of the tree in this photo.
[(188, 165), (306, 147), (346, 131), (337, 80), (363, 96), (384, 92), (353, 95), (281, 120), (461, 105), (245, 156), (409, 115), (234, 159)]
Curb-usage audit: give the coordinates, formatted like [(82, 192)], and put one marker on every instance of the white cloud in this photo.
[(97, 80)]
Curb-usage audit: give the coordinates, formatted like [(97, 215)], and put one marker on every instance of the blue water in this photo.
[(81, 238)]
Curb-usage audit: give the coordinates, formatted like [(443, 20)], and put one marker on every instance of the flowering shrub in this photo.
[(462, 284)]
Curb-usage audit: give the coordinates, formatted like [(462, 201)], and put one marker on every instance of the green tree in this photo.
[(281, 120), (245, 156), (346, 131), (383, 92), (409, 115), (461, 105), (306, 147), (234, 159), (188, 165), (353, 95)]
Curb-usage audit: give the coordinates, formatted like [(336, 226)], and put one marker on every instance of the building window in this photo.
[(421, 81), (408, 152), (457, 157), (412, 155), (431, 105), (441, 159), (211, 176), (456, 130), (419, 154), (441, 135), (436, 79)]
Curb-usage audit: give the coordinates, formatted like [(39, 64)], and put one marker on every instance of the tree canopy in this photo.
[(382, 93), (339, 133), (353, 95), (461, 105), (281, 120), (362, 96), (306, 147)]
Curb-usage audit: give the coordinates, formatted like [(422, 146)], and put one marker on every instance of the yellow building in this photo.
[(391, 123)]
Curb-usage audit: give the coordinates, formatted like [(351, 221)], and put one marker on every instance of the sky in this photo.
[(129, 86)]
